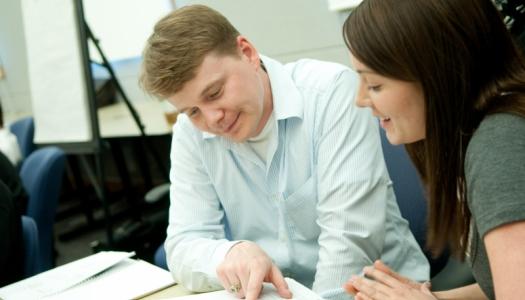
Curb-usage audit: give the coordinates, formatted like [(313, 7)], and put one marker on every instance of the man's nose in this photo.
[(213, 117)]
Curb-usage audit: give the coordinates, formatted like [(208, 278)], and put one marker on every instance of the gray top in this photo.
[(495, 174)]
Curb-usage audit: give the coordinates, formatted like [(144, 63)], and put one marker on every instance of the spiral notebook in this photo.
[(105, 275)]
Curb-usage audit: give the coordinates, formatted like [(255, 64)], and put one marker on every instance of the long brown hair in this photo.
[(468, 66)]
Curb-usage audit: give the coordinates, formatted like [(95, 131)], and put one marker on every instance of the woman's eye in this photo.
[(374, 88)]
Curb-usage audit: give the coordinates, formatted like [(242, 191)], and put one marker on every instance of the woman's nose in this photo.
[(362, 98)]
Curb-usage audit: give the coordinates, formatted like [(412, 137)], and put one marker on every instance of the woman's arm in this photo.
[(505, 248), (469, 292), (386, 284)]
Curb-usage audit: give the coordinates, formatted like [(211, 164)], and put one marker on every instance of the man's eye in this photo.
[(215, 94), (193, 112)]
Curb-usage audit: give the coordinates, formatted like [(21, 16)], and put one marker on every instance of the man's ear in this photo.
[(248, 51)]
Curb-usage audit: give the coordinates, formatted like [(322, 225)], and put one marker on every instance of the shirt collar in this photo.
[(287, 100)]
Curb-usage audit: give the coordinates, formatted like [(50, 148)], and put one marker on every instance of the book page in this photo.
[(61, 278), (299, 291), (129, 279)]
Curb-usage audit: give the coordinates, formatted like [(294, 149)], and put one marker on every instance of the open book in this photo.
[(299, 291), (105, 275)]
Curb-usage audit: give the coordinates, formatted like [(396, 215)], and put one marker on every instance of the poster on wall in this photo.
[(56, 74), (59, 89)]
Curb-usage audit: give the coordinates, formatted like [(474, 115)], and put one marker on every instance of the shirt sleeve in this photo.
[(495, 172), (195, 243), (352, 188)]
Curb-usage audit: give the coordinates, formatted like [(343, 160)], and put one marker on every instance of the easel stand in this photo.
[(98, 177)]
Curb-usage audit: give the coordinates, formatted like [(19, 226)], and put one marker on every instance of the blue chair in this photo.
[(41, 175), (160, 258), (24, 130), (410, 197), (32, 265)]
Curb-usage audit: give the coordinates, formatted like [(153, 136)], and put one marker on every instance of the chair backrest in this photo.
[(410, 196), (32, 264), (41, 175), (160, 257), (24, 130)]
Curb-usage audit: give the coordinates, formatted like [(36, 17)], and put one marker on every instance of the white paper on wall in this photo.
[(58, 87)]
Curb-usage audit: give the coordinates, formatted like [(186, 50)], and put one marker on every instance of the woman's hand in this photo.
[(386, 284)]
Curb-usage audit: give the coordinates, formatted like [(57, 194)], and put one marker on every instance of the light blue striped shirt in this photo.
[(321, 204)]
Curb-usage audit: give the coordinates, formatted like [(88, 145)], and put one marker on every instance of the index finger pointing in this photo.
[(277, 279)]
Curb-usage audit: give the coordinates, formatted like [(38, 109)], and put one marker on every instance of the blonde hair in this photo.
[(178, 45)]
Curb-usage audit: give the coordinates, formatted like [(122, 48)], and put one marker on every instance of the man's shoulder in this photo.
[(184, 129)]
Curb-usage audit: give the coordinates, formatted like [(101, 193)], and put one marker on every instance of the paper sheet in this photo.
[(300, 292), (56, 75), (60, 279), (129, 279)]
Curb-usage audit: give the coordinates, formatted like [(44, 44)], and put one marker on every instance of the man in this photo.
[(274, 171)]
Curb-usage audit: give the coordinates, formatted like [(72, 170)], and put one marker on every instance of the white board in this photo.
[(56, 73)]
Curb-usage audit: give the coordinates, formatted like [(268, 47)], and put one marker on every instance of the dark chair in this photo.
[(160, 258), (41, 175), (32, 265), (410, 196), (24, 130), (160, 194)]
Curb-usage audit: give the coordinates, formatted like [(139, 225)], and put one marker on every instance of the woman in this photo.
[(446, 79)]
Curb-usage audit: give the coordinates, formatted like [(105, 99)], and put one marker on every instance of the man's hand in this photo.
[(246, 267)]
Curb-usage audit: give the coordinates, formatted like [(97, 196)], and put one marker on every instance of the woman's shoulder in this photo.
[(498, 141), (499, 127), (494, 171)]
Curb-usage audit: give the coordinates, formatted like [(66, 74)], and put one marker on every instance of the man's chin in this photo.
[(237, 139)]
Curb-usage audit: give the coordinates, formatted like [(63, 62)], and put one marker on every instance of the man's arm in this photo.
[(352, 187), (195, 242)]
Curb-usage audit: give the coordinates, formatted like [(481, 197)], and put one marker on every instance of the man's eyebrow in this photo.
[(211, 85), (206, 89)]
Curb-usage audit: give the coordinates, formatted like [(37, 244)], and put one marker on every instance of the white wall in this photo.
[(14, 88), (122, 26), (285, 30)]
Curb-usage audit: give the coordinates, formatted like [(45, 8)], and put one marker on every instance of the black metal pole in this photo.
[(99, 165), (130, 107)]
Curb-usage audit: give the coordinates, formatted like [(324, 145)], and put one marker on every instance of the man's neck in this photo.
[(268, 99)]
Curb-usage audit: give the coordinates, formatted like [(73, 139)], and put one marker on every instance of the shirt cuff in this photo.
[(218, 256)]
